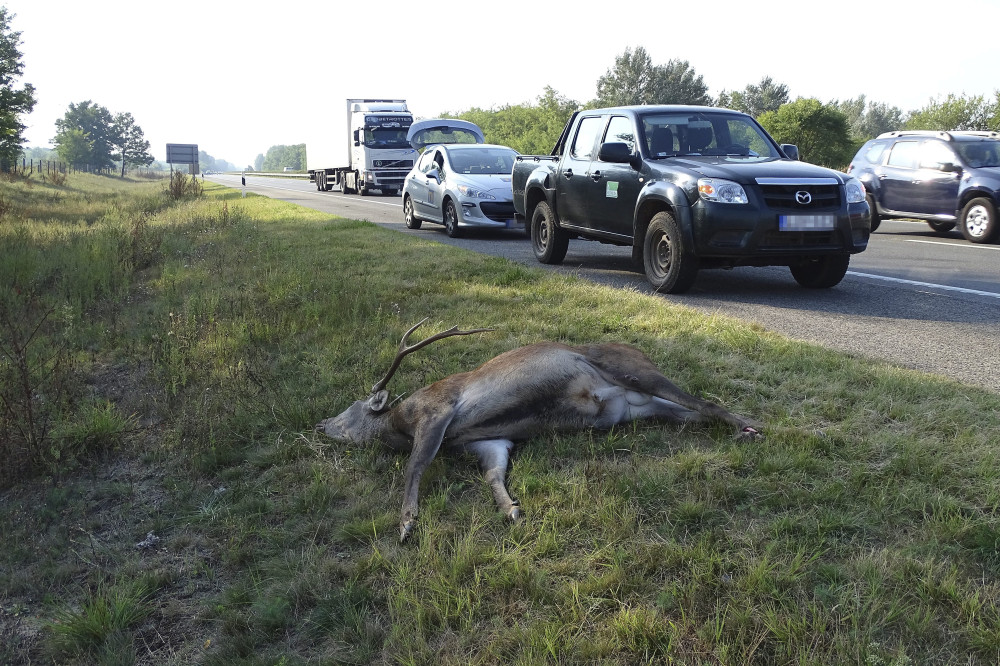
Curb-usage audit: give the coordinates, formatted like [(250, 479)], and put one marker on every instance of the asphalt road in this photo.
[(913, 298)]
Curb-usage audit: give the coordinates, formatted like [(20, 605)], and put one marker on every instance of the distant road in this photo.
[(913, 298)]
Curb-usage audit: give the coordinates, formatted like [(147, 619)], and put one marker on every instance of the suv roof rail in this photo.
[(947, 136)]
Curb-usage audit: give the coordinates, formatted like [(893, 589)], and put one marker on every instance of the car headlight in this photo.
[(473, 193), (855, 190), (722, 191)]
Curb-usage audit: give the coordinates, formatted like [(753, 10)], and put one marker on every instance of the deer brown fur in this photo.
[(511, 397)]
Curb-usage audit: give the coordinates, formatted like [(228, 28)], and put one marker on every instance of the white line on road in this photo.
[(971, 246), (929, 285)]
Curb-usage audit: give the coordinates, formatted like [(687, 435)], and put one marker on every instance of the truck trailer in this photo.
[(377, 155)]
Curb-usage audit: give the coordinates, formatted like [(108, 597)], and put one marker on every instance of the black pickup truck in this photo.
[(690, 187)]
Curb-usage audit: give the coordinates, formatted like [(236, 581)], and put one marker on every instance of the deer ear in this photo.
[(376, 403)]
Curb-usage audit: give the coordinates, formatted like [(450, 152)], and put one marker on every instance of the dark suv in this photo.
[(943, 178)]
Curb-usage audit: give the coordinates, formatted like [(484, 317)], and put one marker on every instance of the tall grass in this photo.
[(197, 358)]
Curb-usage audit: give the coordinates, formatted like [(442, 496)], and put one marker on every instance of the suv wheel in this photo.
[(942, 227), (821, 272), (876, 218), (979, 221), (548, 241), (670, 267)]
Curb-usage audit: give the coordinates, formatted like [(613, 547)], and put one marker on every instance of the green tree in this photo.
[(14, 102), (279, 157), (866, 120), (957, 113), (530, 129), (96, 123), (258, 163), (127, 138), (819, 131), (74, 147), (756, 99), (635, 80)]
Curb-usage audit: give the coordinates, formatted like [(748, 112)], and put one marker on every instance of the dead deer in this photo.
[(538, 387)]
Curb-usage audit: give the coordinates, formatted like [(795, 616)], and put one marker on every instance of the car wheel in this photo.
[(670, 267), (821, 272), (942, 227), (451, 220), (548, 242), (876, 218), (408, 217), (979, 221)]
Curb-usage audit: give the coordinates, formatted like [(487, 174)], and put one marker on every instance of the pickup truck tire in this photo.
[(670, 267), (979, 221), (411, 220), (821, 272), (451, 220), (876, 218), (548, 241)]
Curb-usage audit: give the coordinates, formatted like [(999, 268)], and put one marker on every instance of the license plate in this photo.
[(807, 222)]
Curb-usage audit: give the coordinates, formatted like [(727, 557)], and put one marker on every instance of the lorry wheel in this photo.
[(876, 218), (942, 227), (548, 241), (451, 220), (669, 266), (342, 184), (979, 221), (408, 217), (821, 272)]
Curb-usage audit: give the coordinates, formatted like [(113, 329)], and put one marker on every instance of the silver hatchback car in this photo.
[(462, 185)]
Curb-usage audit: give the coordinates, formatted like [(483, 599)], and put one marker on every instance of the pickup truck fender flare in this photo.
[(538, 188), (659, 196)]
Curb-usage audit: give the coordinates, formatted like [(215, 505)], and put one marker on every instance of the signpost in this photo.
[(183, 153)]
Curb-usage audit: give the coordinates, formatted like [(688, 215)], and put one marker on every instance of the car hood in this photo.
[(499, 185), (443, 130), (747, 172)]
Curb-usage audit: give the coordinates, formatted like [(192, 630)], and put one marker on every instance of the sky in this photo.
[(239, 77)]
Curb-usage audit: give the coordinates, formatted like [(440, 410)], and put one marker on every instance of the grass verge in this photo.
[(166, 501)]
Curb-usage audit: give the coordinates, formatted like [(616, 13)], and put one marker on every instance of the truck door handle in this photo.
[(596, 176), (568, 173)]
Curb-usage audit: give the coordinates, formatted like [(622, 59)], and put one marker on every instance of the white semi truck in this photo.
[(378, 157)]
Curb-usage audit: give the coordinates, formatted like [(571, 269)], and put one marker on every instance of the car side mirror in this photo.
[(435, 174), (790, 150), (618, 152), (949, 167)]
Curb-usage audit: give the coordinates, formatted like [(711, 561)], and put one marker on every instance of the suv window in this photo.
[(933, 153), (586, 136), (904, 154), (980, 153), (874, 151)]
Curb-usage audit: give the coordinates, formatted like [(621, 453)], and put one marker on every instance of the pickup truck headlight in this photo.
[(855, 190), (722, 191), (473, 193)]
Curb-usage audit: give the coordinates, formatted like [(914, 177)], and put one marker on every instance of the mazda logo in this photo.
[(803, 197)]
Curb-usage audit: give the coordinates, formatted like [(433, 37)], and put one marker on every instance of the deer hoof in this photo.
[(514, 514), (406, 529)]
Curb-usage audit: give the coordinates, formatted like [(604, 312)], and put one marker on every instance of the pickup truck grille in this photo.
[(813, 240), (787, 197), (498, 211)]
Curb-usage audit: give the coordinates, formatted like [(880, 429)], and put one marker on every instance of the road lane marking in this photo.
[(929, 285), (971, 246)]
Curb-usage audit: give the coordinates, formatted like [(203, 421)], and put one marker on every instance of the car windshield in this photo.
[(984, 153), (482, 160), (706, 133)]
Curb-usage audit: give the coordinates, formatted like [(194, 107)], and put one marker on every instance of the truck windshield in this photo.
[(710, 134), (379, 137)]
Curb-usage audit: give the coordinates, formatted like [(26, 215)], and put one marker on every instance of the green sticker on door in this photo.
[(612, 191)]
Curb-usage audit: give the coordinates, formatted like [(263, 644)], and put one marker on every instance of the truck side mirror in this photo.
[(617, 152), (791, 151)]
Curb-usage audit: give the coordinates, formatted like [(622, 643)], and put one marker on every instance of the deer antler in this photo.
[(404, 349)]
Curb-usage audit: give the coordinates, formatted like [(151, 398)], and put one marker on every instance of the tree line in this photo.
[(827, 133)]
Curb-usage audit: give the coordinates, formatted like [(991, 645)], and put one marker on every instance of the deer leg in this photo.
[(494, 455), (426, 442)]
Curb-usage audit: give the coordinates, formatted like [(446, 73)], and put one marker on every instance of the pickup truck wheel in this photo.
[(821, 272), (942, 227), (451, 220), (408, 217), (876, 218), (548, 241), (979, 221), (670, 267)]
